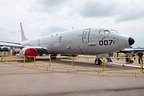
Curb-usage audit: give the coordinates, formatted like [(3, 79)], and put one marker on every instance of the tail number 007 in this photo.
[(105, 42)]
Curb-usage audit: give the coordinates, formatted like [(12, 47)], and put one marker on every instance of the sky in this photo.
[(43, 17)]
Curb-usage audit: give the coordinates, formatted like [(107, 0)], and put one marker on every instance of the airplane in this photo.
[(88, 41)]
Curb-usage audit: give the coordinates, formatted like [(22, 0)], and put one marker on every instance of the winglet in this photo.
[(22, 33)]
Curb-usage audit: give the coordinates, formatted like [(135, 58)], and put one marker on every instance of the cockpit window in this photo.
[(113, 31), (104, 32)]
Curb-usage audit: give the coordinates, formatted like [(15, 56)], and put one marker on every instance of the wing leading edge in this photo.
[(10, 44)]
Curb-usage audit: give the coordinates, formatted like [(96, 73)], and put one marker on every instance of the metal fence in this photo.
[(119, 65)]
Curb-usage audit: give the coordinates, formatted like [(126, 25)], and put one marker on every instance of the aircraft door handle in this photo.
[(92, 44)]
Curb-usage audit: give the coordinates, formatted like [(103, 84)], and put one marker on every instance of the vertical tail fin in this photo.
[(22, 33)]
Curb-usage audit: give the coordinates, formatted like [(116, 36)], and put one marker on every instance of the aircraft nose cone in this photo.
[(131, 41)]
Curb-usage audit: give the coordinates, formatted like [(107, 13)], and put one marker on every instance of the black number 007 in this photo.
[(105, 42)]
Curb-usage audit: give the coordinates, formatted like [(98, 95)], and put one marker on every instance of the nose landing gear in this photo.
[(98, 61)]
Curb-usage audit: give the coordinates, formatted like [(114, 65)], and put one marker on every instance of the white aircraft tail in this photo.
[(22, 33)]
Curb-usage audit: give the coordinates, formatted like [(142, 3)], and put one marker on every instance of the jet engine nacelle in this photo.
[(29, 52)]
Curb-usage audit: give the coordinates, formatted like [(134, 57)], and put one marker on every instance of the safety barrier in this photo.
[(118, 66), (76, 64), (62, 63), (80, 64), (47, 64), (121, 65), (134, 62), (27, 61), (31, 61), (10, 59)]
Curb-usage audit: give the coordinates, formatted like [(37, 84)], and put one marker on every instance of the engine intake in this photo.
[(29, 52)]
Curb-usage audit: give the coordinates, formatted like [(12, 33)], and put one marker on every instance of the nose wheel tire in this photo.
[(98, 61)]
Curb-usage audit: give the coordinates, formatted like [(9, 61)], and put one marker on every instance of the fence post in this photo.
[(24, 60), (1, 58), (34, 61), (4, 58), (10, 59), (73, 62), (50, 62), (141, 65), (104, 64), (16, 60)]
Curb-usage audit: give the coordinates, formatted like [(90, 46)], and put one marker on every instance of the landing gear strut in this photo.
[(98, 61)]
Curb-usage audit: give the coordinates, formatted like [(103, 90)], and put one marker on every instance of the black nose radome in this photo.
[(131, 41)]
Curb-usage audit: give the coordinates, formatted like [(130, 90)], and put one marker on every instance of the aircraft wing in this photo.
[(10, 44), (126, 50)]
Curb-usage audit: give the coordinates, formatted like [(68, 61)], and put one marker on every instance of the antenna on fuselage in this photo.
[(22, 33)]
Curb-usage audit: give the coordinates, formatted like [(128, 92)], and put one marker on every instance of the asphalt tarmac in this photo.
[(23, 81)]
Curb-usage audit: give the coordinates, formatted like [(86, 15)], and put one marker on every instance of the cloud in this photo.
[(4, 31), (130, 14), (49, 5), (98, 9), (8, 35), (119, 10), (55, 29), (51, 30), (52, 3)]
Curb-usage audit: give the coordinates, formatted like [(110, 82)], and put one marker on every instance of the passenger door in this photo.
[(85, 36)]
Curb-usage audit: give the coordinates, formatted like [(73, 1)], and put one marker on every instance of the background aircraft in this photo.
[(89, 41)]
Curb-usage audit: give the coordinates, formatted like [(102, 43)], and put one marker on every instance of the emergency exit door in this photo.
[(85, 36)]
